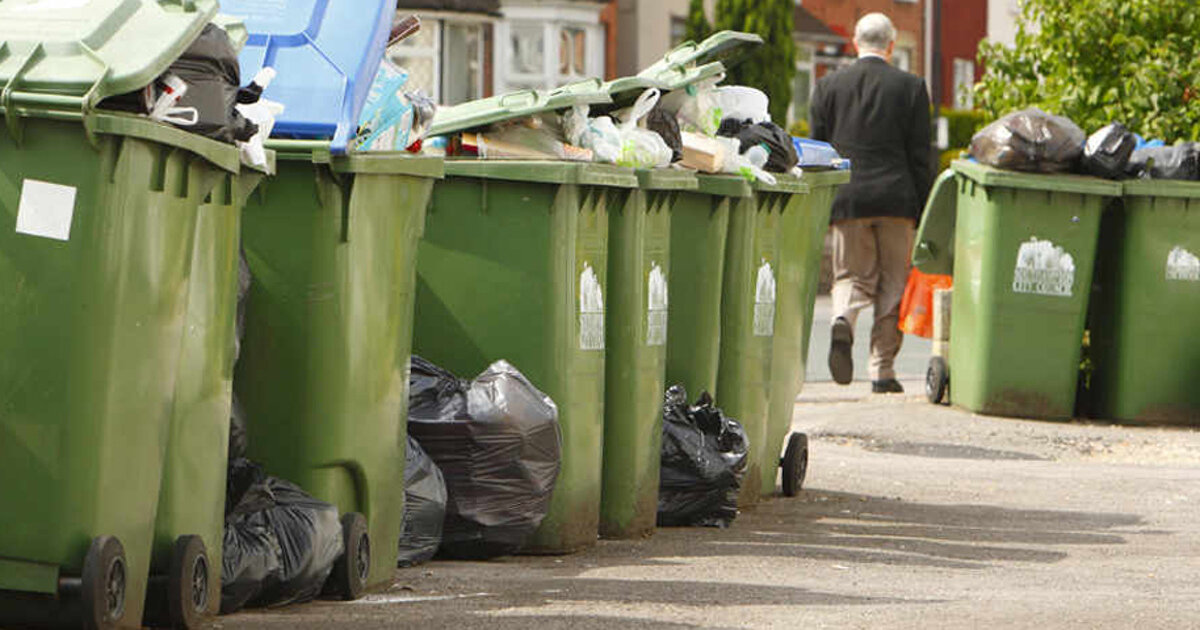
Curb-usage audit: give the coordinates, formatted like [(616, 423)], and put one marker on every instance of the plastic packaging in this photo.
[(916, 307), (262, 113), (1107, 152), (392, 119), (424, 507), (663, 123), (781, 153), (280, 544), (749, 164), (1030, 140), (703, 461), (814, 154), (498, 445), (1181, 161), (697, 106)]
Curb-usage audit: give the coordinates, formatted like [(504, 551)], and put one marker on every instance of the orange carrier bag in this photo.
[(916, 307)]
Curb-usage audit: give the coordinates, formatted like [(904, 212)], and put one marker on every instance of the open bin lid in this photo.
[(69, 54), (724, 46), (519, 104), (326, 55)]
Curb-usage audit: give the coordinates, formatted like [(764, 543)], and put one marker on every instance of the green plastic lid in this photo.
[(520, 104), (989, 176), (543, 172), (724, 46), (72, 53), (1162, 188)]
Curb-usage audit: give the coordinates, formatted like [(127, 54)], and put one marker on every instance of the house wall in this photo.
[(964, 25), (1002, 21), (908, 17), (645, 31)]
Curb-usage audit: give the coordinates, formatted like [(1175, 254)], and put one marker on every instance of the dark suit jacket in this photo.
[(878, 116)]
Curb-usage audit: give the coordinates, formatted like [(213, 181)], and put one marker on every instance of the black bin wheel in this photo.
[(188, 594), (795, 464), (937, 379), (103, 584), (350, 572)]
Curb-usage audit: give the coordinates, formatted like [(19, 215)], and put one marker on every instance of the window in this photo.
[(444, 60), (678, 30), (902, 58), (572, 54), (526, 55), (964, 82), (547, 54)]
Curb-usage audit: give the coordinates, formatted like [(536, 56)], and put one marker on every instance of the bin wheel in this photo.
[(795, 464), (937, 377), (187, 584), (350, 572), (103, 584)]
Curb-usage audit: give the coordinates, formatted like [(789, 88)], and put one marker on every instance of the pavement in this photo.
[(912, 516)]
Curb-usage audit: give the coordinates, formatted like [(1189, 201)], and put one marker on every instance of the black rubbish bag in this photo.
[(1106, 153), (703, 462), (1030, 140), (237, 418), (1181, 161), (665, 124), (424, 507), (209, 67), (498, 445), (781, 151), (280, 544)]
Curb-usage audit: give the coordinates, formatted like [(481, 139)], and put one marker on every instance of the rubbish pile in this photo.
[(703, 461), (1032, 140), (424, 507), (497, 442)]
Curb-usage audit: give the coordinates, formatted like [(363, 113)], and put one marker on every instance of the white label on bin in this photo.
[(1183, 265), (46, 209), (1043, 268), (764, 301), (591, 310), (656, 311)]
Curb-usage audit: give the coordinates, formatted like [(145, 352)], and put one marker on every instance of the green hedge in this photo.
[(963, 124)]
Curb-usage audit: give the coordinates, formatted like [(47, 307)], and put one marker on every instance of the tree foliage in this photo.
[(697, 22), (772, 66), (1098, 61)]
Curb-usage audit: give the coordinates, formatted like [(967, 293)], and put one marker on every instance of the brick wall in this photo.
[(909, 18)]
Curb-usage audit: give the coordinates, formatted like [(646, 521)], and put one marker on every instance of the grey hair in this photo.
[(874, 32)]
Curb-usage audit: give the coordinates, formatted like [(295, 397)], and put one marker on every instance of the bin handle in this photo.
[(6, 96), (10, 96)]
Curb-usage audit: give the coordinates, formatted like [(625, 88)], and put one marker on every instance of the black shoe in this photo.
[(889, 386), (841, 363)]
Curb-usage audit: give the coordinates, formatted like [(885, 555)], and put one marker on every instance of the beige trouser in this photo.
[(870, 268)]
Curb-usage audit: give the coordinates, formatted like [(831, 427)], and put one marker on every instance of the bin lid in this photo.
[(325, 54), (86, 50), (543, 172), (990, 176), (1162, 188), (723, 46), (933, 247), (519, 104)]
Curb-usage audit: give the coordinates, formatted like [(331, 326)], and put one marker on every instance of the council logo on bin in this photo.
[(1183, 265), (1043, 268), (591, 310), (656, 309), (764, 301)]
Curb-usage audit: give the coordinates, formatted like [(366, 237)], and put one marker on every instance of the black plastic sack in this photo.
[(498, 445), (703, 462), (280, 544), (1106, 153), (424, 507), (1181, 161), (665, 124), (1030, 140), (781, 152)]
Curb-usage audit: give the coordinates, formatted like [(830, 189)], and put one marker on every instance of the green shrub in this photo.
[(799, 129)]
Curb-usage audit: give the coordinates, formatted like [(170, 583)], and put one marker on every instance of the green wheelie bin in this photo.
[(185, 584), (514, 265), (639, 238), (331, 242), (1024, 247), (802, 239), (102, 213), (1145, 368)]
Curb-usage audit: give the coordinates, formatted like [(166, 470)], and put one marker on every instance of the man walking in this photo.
[(878, 116)]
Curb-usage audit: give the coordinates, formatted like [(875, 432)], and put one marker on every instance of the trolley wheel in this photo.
[(188, 594), (350, 572), (795, 464), (937, 378), (103, 585)]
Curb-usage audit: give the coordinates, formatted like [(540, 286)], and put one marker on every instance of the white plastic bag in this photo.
[(263, 114), (697, 107), (749, 164), (623, 144), (742, 103)]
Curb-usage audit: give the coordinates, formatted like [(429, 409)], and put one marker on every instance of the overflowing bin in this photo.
[(802, 236), (1024, 248), (105, 214), (331, 243), (1144, 355)]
